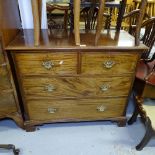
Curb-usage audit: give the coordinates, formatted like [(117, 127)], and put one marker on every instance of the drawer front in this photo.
[(76, 87), (84, 109), (46, 63), (101, 63), (7, 103)]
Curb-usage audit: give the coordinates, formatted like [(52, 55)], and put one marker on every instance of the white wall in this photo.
[(26, 14)]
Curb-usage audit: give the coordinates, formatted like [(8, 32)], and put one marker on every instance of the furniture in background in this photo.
[(144, 85), (136, 17), (150, 8), (100, 20), (10, 147), (120, 5), (111, 5), (90, 13), (145, 88), (99, 27), (57, 15)]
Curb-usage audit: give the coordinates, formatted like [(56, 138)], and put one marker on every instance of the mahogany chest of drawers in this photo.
[(62, 82)]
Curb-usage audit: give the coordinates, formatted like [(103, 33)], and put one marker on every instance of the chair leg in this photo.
[(135, 113), (147, 137), (133, 117)]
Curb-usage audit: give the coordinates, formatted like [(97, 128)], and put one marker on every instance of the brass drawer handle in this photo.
[(51, 110), (104, 87), (2, 65), (109, 64), (48, 64), (101, 108), (49, 88)]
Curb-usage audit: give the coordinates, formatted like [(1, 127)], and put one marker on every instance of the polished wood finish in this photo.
[(76, 87), (85, 79), (108, 41), (59, 63), (97, 63), (70, 110)]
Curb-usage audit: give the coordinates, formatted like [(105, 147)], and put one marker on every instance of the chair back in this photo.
[(100, 21), (89, 16), (61, 20), (149, 37)]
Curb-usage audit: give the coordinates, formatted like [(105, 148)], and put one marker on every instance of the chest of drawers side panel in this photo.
[(9, 105)]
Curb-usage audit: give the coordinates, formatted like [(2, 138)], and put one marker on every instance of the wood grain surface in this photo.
[(76, 109), (94, 63), (30, 63), (75, 87)]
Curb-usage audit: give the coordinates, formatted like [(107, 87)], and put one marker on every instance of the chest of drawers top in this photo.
[(108, 41)]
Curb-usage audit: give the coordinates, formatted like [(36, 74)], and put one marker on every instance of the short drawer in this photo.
[(46, 63), (84, 109), (7, 103), (62, 87), (113, 63)]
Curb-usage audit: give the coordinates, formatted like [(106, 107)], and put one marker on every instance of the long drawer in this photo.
[(76, 87), (111, 63), (84, 109), (7, 103), (47, 63)]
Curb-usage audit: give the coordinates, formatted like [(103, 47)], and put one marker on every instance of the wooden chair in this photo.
[(90, 13), (36, 11), (60, 18), (144, 85), (100, 20), (89, 17), (138, 15)]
